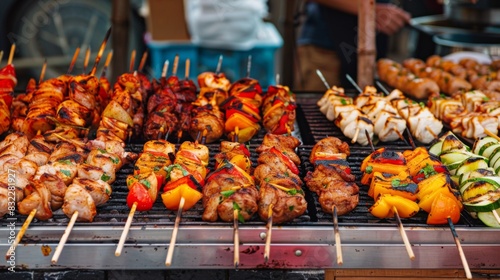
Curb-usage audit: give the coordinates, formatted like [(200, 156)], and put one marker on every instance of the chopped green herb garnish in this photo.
[(65, 161), (428, 170), (237, 207), (342, 100), (107, 191), (291, 207), (266, 180), (115, 160), (227, 193), (422, 104), (287, 174), (102, 151), (292, 191), (146, 183), (66, 173), (396, 182), (369, 169), (105, 177)]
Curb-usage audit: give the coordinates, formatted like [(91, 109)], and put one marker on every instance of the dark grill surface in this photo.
[(312, 126)]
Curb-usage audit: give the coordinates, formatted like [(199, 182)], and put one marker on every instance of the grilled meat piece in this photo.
[(216, 205), (78, 199), (329, 146), (39, 199), (286, 144), (285, 205), (334, 187), (207, 118), (57, 189)]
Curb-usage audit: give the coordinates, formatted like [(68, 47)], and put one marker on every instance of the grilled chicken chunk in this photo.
[(334, 187), (78, 199), (286, 144), (39, 199)]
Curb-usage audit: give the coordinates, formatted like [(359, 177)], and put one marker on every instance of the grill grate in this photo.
[(311, 126)]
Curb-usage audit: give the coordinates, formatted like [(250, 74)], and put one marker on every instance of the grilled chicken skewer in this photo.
[(281, 198), (348, 117), (8, 82), (187, 175)]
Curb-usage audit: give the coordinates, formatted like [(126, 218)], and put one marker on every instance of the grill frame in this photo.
[(307, 242)]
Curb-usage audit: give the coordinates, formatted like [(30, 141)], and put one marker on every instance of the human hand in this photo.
[(389, 18)]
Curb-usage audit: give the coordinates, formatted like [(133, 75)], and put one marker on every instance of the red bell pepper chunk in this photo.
[(139, 194), (282, 127), (288, 162)]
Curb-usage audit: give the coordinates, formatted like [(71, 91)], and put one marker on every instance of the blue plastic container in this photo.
[(234, 66), (162, 50)]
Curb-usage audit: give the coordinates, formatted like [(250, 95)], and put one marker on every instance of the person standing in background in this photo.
[(328, 40)]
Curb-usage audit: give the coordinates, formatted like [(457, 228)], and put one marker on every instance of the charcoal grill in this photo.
[(305, 243)]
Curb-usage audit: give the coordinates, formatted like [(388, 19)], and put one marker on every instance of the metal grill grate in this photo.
[(311, 126)]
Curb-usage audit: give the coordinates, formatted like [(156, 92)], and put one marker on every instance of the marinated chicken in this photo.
[(331, 179), (277, 174), (230, 187)]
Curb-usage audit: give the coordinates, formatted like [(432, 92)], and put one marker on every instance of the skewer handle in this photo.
[(171, 247), (64, 238), (269, 226), (465, 264), (236, 240), (126, 229), (11, 54), (320, 75), (338, 245), (20, 234), (403, 234)]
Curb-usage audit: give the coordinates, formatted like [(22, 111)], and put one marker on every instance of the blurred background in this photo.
[(205, 29)]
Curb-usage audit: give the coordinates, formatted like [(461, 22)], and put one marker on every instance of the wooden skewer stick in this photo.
[(73, 60), (11, 54), (176, 64), (160, 133), (132, 61), (126, 229), (236, 239), (491, 134), (106, 64), (369, 140), (269, 227), (410, 138), (351, 80), (338, 246), (42, 73), (431, 132), (381, 86), (219, 65), (171, 247), (64, 238), (403, 234), (101, 51), (465, 264), (1, 56), (320, 75), (86, 60), (495, 214), (277, 79), (165, 69), (400, 135), (20, 234), (204, 136), (188, 64), (249, 65), (179, 136), (143, 61), (356, 134), (236, 132)]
